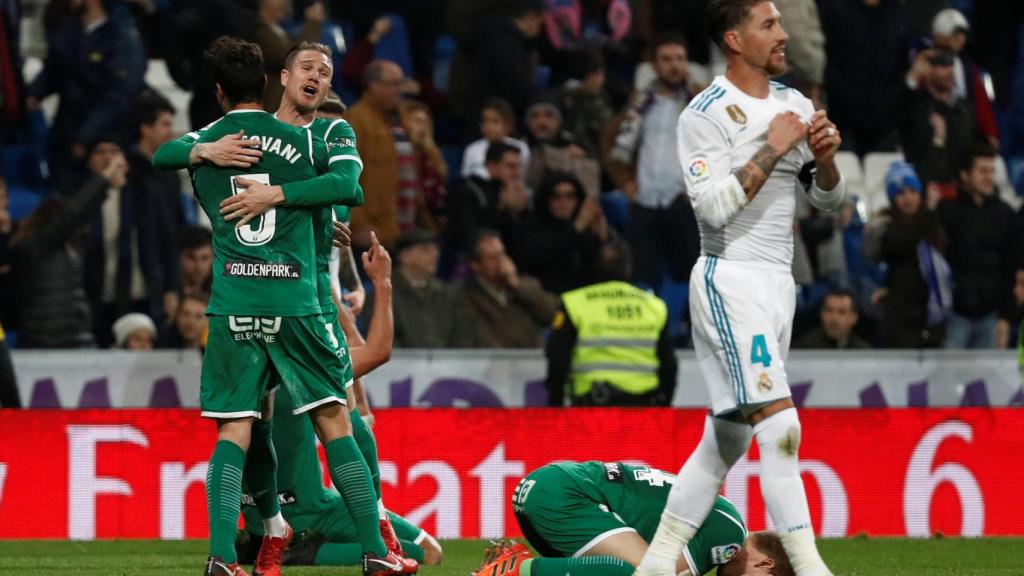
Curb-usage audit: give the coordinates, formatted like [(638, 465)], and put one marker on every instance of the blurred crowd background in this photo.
[(505, 144)]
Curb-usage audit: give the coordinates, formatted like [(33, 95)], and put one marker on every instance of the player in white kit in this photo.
[(745, 144)]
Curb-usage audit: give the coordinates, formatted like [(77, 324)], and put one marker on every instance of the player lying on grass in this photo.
[(596, 519)]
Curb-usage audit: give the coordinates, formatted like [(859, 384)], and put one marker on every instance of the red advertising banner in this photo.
[(139, 473)]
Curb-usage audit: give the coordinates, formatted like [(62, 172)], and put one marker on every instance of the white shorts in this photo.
[(742, 315)]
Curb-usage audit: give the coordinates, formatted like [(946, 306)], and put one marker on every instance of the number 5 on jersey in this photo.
[(260, 230)]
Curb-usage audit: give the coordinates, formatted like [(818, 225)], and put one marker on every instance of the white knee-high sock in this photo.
[(778, 438), (693, 494)]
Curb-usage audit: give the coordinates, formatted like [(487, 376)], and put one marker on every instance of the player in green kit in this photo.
[(265, 319), (596, 519)]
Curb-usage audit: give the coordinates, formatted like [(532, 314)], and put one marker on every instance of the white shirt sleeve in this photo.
[(706, 159), (334, 267)]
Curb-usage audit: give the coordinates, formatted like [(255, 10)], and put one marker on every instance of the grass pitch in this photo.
[(852, 557)]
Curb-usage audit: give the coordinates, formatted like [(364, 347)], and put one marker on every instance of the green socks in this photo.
[(367, 447), (585, 566), (352, 479), (331, 554), (224, 497), (261, 470)]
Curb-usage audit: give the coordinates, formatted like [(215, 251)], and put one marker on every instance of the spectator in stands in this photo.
[(864, 67), (644, 164), (586, 104), (633, 364), (195, 259), (95, 63), (266, 31), (12, 84), (8, 381), (1016, 317), (897, 238), (156, 198), (805, 50), (983, 239), (567, 219), (949, 32), (497, 124), (498, 202), (187, 31), (839, 317), (554, 148), (116, 254), (388, 158), (424, 304), (497, 307), (189, 323), (47, 259), (134, 331), (431, 168), (363, 52), (505, 65), (936, 125)]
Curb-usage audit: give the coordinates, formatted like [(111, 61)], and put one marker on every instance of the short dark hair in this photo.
[(974, 151), (664, 39), (725, 15), (503, 108), (481, 235), (149, 106), (238, 68), (841, 293), (497, 150), (193, 238), (770, 545), (614, 261), (199, 296), (324, 49)]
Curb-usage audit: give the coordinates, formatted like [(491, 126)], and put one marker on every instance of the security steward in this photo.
[(609, 342)]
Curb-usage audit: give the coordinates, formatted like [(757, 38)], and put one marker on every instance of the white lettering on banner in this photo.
[(921, 483), (493, 472), (174, 484), (388, 473), (83, 484), (3, 477), (835, 508), (447, 502)]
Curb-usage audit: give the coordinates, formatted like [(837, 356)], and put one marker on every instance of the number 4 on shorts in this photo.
[(759, 352)]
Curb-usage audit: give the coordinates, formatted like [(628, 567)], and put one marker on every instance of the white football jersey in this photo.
[(718, 133)]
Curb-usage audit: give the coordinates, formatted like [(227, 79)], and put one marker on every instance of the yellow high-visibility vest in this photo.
[(617, 327)]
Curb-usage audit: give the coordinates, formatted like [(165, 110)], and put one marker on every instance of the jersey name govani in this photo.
[(719, 132)]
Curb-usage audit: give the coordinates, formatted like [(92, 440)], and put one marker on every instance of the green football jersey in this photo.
[(267, 268), (341, 145), (638, 494)]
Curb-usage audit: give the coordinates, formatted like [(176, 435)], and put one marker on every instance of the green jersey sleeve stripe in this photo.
[(331, 127), (355, 159)]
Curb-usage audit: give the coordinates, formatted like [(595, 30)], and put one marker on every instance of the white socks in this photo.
[(275, 527), (382, 514), (694, 492), (778, 438)]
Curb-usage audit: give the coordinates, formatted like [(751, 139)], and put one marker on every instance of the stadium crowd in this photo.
[(504, 143)]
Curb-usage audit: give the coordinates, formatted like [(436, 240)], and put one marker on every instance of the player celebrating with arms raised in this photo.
[(743, 143)]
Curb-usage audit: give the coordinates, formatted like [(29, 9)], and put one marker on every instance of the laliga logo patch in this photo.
[(699, 170), (722, 554)]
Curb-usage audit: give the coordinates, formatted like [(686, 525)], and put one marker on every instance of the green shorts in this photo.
[(336, 526), (558, 518), (246, 356), (340, 344)]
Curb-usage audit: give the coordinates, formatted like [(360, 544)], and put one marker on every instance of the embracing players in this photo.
[(744, 142), (266, 323)]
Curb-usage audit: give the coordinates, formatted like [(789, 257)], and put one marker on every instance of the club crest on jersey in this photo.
[(699, 170), (764, 383), (722, 554), (736, 113)]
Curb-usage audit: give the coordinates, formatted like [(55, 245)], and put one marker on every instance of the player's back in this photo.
[(266, 268), (719, 132)]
